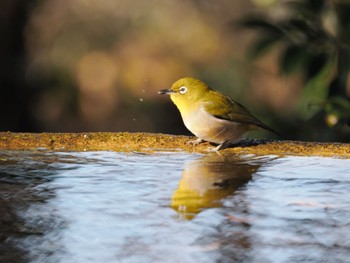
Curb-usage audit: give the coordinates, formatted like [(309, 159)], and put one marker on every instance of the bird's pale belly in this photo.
[(212, 129)]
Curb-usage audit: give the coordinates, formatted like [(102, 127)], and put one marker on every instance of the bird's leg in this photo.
[(223, 146), (196, 142), (219, 147)]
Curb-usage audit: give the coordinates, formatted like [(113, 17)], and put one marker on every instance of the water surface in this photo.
[(172, 207)]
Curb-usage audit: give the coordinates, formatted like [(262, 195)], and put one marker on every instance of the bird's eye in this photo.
[(183, 90)]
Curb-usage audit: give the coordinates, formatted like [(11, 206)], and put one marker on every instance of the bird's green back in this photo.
[(223, 107)]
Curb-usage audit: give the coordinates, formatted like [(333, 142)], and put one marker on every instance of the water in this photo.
[(172, 207)]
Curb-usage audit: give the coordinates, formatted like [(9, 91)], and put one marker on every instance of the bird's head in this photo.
[(186, 91)]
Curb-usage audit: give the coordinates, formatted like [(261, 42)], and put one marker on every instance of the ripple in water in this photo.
[(172, 207)]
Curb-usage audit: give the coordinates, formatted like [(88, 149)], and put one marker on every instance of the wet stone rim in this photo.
[(153, 142)]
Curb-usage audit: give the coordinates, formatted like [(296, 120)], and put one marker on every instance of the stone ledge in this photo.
[(153, 142)]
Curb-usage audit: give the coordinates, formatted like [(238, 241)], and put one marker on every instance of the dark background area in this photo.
[(71, 66)]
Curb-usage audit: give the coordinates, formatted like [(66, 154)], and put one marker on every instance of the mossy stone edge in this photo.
[(154, 142)]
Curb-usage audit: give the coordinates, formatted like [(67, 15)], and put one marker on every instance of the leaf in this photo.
[(339, 105), (292, 59), (299, 24), (261, 46), (317, 63), (316, 6), (316, 89), (302, 31), (261, 23), (309, 6)]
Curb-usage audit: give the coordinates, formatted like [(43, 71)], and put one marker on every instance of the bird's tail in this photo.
[(267, 128)]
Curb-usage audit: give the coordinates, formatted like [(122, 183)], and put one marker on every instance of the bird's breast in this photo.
[(212, 129)]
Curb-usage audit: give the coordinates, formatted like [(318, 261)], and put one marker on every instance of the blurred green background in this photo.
[(86, 65)]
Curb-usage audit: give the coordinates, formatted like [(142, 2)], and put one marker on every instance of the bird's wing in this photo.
[(232, 111)]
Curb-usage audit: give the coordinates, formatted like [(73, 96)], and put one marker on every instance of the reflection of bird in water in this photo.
[(206, 181)]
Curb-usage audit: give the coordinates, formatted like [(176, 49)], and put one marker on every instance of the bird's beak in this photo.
[(166, 91)]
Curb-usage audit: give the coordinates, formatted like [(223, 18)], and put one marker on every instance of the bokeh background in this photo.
[(86, 65)]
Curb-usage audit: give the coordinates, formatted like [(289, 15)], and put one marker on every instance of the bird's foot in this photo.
[(222, 146), (217, 148), (195, 142)]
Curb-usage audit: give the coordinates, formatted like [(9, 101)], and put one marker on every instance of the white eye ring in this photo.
[(183, 90)]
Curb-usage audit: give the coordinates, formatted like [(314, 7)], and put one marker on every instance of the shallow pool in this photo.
[(172, 207)]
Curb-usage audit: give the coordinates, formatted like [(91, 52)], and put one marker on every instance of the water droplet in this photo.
[(141, 99)]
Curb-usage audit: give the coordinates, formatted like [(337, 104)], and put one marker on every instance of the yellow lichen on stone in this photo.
[(149, 142)]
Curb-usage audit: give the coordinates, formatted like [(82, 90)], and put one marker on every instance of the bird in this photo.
[(210, 115)]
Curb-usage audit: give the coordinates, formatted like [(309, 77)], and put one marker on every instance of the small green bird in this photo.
[(210, 115)]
